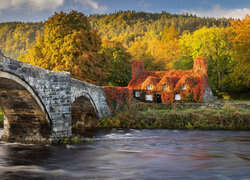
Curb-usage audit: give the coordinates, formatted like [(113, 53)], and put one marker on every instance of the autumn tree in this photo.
[(211, 43), (157, 54), (17, 37), (119, 67), (124, 26), (140, 51), (164, 52), (69, 44), (239, 34), (169, 34)]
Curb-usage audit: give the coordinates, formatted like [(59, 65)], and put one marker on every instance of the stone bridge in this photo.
[(43, 105)]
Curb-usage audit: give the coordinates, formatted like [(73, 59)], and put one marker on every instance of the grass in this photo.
[(154, 116), (239, 102), (234, 101)]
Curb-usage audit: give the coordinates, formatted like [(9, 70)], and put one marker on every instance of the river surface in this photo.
[(133, 154)]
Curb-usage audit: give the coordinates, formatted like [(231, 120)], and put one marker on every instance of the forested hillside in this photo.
[(126, 26), (106, 45), (17, 37)]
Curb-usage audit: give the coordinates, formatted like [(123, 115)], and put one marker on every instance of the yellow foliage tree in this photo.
[(157, 54), (239, 34), (69, 44)]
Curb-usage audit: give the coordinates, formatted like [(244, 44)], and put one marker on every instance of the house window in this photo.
[(165, 87), (184, 87), (149, 87), (137, 94), (177, 97), (149, 97)]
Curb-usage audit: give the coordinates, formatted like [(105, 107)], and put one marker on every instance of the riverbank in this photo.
[(150, 116)]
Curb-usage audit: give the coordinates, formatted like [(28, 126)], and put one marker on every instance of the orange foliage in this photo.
[(195, 81), (117, 96), (150, 80)]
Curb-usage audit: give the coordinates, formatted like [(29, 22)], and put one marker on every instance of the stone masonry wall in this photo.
[(94, 93)]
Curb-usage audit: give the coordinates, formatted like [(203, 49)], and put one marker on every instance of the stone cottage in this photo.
[(171, 86)]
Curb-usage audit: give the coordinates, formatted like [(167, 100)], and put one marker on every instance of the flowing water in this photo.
[(133, 154)]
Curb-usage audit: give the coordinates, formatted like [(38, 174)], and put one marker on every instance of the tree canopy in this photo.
[(69, 44), (211, 43), (100, 48), (239, 34)]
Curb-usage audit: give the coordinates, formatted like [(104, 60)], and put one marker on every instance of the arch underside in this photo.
[(24, 118), (83, 115)]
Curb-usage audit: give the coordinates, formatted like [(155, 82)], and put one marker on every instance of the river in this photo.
[(133, 154)]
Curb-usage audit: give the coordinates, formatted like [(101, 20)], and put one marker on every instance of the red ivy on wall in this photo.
[(194, 89), (117, 96), (195, 81)]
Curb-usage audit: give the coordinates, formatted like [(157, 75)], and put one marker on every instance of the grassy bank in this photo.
[(154, 116), (239, 102)]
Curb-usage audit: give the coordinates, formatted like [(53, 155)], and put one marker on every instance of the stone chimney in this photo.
[(137, 68), (200, 66)]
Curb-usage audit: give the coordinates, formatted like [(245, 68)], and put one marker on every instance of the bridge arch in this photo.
[(25, 115), (84, 113)]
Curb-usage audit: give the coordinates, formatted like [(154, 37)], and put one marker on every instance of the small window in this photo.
[(184, 87), (149, 87), (149, 97), (137, 94), (165, 87), (177, 97)]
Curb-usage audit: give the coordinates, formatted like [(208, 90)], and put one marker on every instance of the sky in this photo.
[(40, 10)]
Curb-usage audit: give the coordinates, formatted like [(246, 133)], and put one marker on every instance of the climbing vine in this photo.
[(117, 96), (189, 84), (194, 89)]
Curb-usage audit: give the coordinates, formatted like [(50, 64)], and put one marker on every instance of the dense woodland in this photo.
[(100, 48)]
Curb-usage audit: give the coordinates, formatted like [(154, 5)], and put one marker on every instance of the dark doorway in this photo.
[(158, 98)]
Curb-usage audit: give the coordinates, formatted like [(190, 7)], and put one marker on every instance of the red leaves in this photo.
[(193, 91), (195, 80), (117, 96), (167, 96)]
